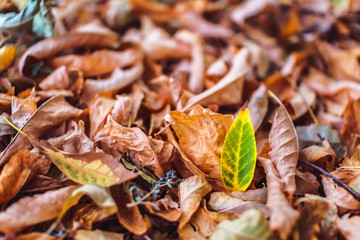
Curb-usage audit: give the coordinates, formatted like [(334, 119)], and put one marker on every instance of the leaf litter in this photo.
[(119, 117)]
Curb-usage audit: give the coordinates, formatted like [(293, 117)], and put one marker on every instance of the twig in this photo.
[(355, 194), (132, 204)]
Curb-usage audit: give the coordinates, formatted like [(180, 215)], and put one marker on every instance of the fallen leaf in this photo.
[(195, 22), (36, 235), (129, 217), (75, 140), (318, 217), (350, 129), (53, 112), (99, 62), (258, 106), (99, 108), (191, 192), (284, 148), (306, 182), (51, 46), (222, 202), (124, 139), (87, 168), (97, 193), (15, 173), (238, 154), (201, 136), (165, 208), (283, 216), (32, 210), (22, 109), (313, 134), (7, 56), (256, 195), (97, 234), (349, 227), (250, 225), (228, 89), (58, 79), (118, 80)]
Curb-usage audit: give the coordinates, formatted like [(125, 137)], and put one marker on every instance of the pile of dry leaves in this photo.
[(122, 108)]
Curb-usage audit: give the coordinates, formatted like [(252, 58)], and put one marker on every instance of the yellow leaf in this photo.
[(238, 155), (7, 55), (86, 168)]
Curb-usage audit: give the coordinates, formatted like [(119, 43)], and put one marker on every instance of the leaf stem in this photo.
[(355, 194)]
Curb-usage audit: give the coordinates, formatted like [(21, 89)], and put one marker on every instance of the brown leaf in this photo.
[(283, 216), (127, 106), (258, 106), (32, 210), (343, 63), (284, 148), (228, 89), (318, 217), (99, 62), (15, 173), (53, 112), (51, 46), (196, 81), (36, 235), (320, 156), (165, 208), (349, 227), (75, 140), (191, 192), (129, 217), (97, 234), (201, 136), (118, 80), (195, 22), (256, 195), (339, 195), (351, 126), (306, 183), (124, 139), (222, 202), (58, 79), (22, 109), (99, 109)]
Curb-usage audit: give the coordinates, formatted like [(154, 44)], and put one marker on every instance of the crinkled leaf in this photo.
[(238, 155), (97, 234), (283, 216), (97, 193), (284, 147), (251, 225), (192, 190)]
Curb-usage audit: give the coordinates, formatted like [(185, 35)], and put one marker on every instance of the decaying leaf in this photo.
[(124, 139), (258, 106), (238, 155), (15, 173), (50, 114), (349, 228), (251, 225), (129, 217), (201, 136), (223, 202), (97, 234), (52, 46), (284, 148), (283, 216), (32, 210), (192, 190)]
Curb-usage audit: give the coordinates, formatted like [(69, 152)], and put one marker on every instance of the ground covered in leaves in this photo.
[(120, 110)]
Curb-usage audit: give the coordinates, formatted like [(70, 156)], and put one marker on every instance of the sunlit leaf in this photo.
[(251, 225), (7, 55), (238, 155)]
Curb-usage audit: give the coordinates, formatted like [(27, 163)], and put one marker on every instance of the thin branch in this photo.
[(355, 194)]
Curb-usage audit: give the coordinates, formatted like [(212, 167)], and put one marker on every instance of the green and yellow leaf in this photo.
[(238, 155), (87, 168)]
